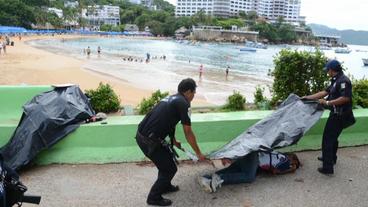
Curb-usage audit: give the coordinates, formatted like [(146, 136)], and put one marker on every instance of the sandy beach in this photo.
[(24, 64)]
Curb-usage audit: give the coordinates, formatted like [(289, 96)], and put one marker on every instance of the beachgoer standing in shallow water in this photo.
[(227, 71), (88, 51), (99, 50), (200, 71)]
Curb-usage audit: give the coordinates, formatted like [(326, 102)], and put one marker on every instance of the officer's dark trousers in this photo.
[(332, 131), (163, 160)]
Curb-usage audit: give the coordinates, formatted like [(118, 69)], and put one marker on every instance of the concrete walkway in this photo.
[(127, 184)]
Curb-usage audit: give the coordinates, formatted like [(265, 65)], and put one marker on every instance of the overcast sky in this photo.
[(339, 14)]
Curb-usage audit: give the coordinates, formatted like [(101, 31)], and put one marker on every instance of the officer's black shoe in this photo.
[(171, 189), (325, 171), (161, 202), (321, 159)]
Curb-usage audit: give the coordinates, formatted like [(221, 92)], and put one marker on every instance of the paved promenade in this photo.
[(127, 184)]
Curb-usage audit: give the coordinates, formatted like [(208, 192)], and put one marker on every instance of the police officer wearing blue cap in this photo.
[(339, 101), (159, 123)]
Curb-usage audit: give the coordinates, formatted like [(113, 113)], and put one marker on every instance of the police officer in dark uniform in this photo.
[(159, 123), (339, 101)]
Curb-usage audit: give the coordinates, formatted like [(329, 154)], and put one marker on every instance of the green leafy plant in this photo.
[(258, 95), (104, 99), (235, 102), (146, 105), (260, 100), (360, 93), (299, 73)]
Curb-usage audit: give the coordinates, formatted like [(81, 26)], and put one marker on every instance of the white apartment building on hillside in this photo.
[(71, 4), (274, 9), (190, 7), (58, 12), (102, 14), (269, 9)]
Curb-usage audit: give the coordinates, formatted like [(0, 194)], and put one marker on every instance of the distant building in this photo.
[(131, 28), (271, 10), (328, 40), (71, 4), (217, 33), (135, 1), (181, 33), (147, 3), (221, 8), (102, 14), (274, 9), (58, 12), (189, 8)]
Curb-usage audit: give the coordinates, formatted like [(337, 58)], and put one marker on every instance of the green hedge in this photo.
[(360, 93), (104, 99), (298, 72), (146, 105)]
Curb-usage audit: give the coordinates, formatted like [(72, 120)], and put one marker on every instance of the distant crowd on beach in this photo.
[(87, 51), (147, 60)]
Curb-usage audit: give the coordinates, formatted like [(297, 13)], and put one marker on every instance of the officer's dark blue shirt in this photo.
[(340, 87), (162, 119)]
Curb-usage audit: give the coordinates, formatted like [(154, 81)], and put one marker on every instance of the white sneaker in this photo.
[(205, 184), (216, 182)]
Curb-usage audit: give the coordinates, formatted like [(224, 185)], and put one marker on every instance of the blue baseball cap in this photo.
[(333, 65)]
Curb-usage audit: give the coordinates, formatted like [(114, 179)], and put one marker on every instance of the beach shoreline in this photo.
[(24, 64), (214, 87)]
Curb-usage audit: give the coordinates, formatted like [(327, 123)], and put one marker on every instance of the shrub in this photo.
[(146, 105), (235, 102), (259, 100), (104, 99), (299, 73), (360, 93), (258, 95)]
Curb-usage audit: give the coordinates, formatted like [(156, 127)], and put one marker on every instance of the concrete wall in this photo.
[(212, 35), (206, 35)]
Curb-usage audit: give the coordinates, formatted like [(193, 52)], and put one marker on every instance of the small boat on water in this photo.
[(324, 46), (248, 49), (343, 50), (257, 45), (253, 46), (365, 61)]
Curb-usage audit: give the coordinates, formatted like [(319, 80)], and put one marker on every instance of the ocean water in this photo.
[(247, 69)]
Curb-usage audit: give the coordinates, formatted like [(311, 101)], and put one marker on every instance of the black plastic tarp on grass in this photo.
[(46, 119), (282, 128)]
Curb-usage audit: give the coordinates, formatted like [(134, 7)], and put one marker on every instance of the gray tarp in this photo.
[(46, 119), (282, 128)]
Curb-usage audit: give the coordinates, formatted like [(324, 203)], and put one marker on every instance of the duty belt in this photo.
[(150, 141)]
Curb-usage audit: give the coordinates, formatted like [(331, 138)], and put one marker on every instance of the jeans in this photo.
[(243, 170), (165, 164)]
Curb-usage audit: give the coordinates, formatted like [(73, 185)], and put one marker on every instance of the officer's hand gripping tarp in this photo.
[(46, 119), (282, 128)]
